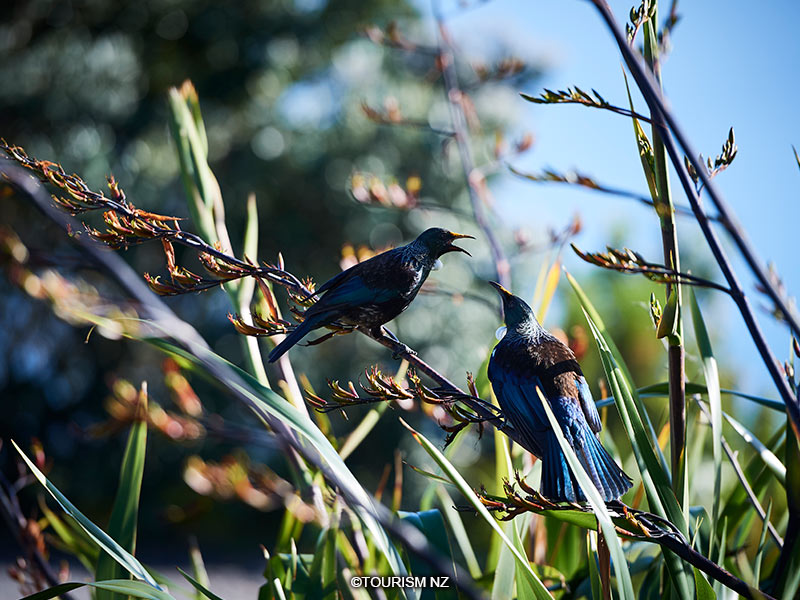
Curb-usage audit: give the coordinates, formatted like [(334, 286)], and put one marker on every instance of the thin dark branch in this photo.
[(625, 112), (454, 97), (690, 555), (657, 107), (630, 523), (477, 405), (184, 238), (576, 179), (655, 272), (287, 280)]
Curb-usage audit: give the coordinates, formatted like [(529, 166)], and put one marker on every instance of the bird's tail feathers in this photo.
[(558, 482), (295, 336)]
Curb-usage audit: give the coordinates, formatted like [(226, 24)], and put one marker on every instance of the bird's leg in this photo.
[(381, 332)]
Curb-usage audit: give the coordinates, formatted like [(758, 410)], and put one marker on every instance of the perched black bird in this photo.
[(375, 291), (528, 356)]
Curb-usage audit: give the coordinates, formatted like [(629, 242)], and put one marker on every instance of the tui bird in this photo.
[(526, 357), (375, 291)]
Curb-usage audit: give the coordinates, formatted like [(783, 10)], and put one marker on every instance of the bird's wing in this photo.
[(335, 280), (560, 367), (355, 286), (520, 404), (362, 269), (515, 377), (588, 405), (350, 293)]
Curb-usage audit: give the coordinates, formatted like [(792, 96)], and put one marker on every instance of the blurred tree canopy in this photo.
[(281, 85)]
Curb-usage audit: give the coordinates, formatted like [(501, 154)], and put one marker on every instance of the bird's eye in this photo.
[(500, 333), (436, 265)]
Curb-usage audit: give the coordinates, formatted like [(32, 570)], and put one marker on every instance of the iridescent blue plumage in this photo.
[(375, 291), (529, 357)]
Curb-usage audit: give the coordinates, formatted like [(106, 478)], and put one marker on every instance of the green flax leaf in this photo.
[(122, 525), (459, 481), (711, 374), (199, 586), (137, 589), (595, 500), (122, 556)]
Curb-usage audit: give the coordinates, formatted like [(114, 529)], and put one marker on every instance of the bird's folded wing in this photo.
[(588, 405), (521, 406), (335, 280), (352, 292)]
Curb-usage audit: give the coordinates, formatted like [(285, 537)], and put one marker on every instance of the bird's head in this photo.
[(437, 241), (518, 315)]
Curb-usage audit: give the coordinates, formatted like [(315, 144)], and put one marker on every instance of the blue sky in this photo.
[(732, 64)]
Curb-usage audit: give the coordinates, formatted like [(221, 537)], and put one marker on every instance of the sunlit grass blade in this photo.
[(772, 462), (788, 570), (267, 405), (70, 537), (460, 535), (279, 593), (711, 374), (754, 479), (202, 589), (198, 567), (504, 580), (191, 157), (595, 500), (428, 474), (124, 515), (122, 556), (362, 430), (590, 310), (658, 489), (649, 459), (718, 588), (502, 470), (546, 285), (656, 482), (761, 543), (453, 474), (744, 488), (524, 589), (126, 587), (662, 389), (502, 456), (704, 589)]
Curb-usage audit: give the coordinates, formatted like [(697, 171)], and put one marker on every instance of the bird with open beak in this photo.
[(528, 357), (372, 293)]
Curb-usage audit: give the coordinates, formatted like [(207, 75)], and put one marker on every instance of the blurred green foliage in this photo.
[(281, 85)]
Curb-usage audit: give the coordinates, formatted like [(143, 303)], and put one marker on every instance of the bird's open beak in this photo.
[(503, 291), (457, 236)]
